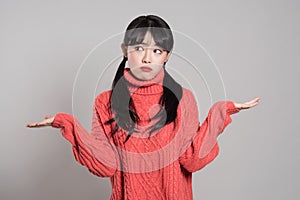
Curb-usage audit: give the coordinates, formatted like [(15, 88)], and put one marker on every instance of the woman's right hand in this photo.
[(46, 122)]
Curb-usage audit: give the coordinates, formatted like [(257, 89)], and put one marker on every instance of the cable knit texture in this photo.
[(159, 167)]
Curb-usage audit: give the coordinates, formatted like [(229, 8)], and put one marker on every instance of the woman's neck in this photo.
[(136, 86)]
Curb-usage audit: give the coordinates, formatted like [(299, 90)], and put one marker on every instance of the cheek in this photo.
[(158, 68), (133, 59), (160, 59)]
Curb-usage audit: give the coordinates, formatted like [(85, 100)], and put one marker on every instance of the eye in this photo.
[(159, 51), (139, 48)]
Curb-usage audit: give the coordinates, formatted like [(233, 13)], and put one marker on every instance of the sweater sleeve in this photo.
[(93, 150), (204, 147)]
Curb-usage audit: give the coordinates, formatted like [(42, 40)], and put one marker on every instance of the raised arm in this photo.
[(204, 147), (93, 150)]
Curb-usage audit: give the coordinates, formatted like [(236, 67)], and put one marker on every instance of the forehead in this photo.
[(148, 40)]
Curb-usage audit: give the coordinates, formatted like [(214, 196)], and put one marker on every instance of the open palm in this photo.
[(46, 122), (248, 104)]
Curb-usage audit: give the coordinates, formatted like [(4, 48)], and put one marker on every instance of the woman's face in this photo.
[(145, 60)]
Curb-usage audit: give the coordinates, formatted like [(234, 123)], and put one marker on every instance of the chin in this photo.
[(148, 79), (145, 78)]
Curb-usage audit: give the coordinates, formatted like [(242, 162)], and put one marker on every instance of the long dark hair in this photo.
[(121, 103)]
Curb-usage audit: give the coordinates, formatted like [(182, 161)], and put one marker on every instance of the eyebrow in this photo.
[(147, 44), (144, 43)]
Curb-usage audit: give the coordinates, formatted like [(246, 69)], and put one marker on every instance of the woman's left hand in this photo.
[(248, 104)]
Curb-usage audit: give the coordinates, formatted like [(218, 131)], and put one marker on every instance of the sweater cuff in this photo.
[(231, 109), (58, 121)]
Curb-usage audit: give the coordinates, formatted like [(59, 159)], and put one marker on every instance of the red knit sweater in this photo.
[(159, 167)]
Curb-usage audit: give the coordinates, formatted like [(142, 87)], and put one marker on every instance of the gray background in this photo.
[(255, 45)]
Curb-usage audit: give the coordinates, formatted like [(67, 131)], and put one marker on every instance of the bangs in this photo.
[(162, 37)]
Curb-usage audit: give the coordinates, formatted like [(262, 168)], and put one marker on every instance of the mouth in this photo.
[(146, 69)]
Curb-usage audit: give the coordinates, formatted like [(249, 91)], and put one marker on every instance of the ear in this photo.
[(168, 56), (124, 49)]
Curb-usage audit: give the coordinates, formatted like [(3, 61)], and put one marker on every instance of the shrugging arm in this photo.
[(93, 150), (204, 147)]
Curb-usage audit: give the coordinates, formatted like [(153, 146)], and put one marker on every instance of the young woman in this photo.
[(145, 131)]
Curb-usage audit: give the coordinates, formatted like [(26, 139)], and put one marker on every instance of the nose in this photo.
[(147, 56)]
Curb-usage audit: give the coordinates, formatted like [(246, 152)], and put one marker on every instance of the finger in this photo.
[(252, 104), (33, 125), (253, 100), (256, 100)]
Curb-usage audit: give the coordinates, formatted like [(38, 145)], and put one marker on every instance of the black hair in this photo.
[(125, 113)]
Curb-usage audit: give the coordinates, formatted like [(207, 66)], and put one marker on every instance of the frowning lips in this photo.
[(146, 68)]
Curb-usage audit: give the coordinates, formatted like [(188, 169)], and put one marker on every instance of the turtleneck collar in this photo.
[(153, 86)]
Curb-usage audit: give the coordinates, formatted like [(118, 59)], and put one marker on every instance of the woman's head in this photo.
[(147, 45), (156, 26)]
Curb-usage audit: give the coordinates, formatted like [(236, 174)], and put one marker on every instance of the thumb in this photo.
[(48, 116)]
